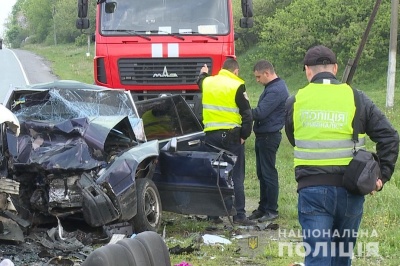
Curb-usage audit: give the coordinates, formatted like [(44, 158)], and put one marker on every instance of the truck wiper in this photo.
[(168, 33), (206, 35), (131, 32)]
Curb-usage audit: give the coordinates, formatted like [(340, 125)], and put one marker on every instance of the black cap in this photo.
[(319, 55)]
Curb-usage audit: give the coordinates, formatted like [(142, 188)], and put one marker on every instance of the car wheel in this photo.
[(148, 217)]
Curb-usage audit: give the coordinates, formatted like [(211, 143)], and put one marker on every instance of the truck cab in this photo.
[(159, 46)]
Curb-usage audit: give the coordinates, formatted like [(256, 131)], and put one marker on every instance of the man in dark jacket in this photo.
[(319, 124), (269, 119)]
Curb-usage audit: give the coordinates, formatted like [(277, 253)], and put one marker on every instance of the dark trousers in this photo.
[(266, 148), (216, 138)]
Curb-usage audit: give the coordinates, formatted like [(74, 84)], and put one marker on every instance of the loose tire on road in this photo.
[(110, 255), (147, 248), (148, 217), (156, 248)]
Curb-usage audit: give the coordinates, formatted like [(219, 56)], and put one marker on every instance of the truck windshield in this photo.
[(164, 17)]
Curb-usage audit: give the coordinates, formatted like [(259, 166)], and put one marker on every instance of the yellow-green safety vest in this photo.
[(220, 110), (322, 121), (156, 126)]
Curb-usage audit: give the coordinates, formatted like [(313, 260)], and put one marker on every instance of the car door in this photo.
[(191, 176)]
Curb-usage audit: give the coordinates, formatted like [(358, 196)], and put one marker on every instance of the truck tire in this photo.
[(156, 248), (110, 255), (148, 217), (137, 250)]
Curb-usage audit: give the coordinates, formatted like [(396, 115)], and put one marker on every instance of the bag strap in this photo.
[(356, 121)]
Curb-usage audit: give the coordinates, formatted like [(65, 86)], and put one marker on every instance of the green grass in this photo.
[(381, 211)]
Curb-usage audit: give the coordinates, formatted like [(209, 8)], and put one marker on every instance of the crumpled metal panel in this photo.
[(72, 129), (121, 173)]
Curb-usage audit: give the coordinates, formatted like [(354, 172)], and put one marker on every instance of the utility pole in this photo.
[(88, 45), (54, 25), (353, 63), (391, 77)]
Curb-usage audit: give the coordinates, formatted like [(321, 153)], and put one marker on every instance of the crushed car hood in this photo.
[(71, 129), (76, 144)]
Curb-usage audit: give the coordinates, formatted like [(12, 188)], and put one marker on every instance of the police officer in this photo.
[(319, 124), (227, 123)]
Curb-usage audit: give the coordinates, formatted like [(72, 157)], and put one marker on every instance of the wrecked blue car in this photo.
[(92, 153)]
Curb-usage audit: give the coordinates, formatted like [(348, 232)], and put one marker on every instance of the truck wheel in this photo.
[(109, 255), (156, 248), (148, 217), (147, 248)]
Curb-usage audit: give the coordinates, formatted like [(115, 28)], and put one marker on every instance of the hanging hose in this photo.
[(219, 189)]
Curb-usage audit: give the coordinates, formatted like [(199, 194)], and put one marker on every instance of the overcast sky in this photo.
[(5, 10)]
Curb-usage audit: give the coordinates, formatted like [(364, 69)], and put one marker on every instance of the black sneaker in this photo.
[(244, 221), (268, 217), (256, 214)]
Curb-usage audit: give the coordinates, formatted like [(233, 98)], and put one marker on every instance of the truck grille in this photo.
[(156, 71)]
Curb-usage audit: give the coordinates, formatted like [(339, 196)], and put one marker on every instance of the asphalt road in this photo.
[(19, 68)]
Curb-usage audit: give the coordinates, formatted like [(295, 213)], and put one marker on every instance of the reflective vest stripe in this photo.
[(220, 108), (221, 125), (337, 154), (328, 144), (156, 123)]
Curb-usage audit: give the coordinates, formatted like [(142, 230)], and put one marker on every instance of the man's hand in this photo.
[(204, 69), (378, 186)]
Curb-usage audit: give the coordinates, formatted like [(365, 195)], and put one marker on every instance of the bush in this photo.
[(81, 40)]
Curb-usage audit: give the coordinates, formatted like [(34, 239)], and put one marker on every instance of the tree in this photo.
[(39, 16), (334, 23)]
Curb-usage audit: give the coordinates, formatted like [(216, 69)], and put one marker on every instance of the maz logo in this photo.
[(165, 74)]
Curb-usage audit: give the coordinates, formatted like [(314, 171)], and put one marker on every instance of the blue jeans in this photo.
[(330, 217), (266, 148), (215, 138)]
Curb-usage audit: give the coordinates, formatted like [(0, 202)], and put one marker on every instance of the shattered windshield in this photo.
[(155, 17), (60, 104)]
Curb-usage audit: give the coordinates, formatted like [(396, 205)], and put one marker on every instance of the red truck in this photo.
[(158, 47)]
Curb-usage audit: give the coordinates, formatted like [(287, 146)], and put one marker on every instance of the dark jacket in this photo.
[(243, 104), (269, 115), (372, 122)]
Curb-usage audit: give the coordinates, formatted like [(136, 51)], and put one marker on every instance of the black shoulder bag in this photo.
[(363, 170)]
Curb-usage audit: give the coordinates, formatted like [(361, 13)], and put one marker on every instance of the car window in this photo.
[(59, 104), (167, 117), (190, 124)]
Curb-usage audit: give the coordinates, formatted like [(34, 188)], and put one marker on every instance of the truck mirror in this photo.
[(247, 8), (82, 8), (82, 23), (246, 22), (110, 7)]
